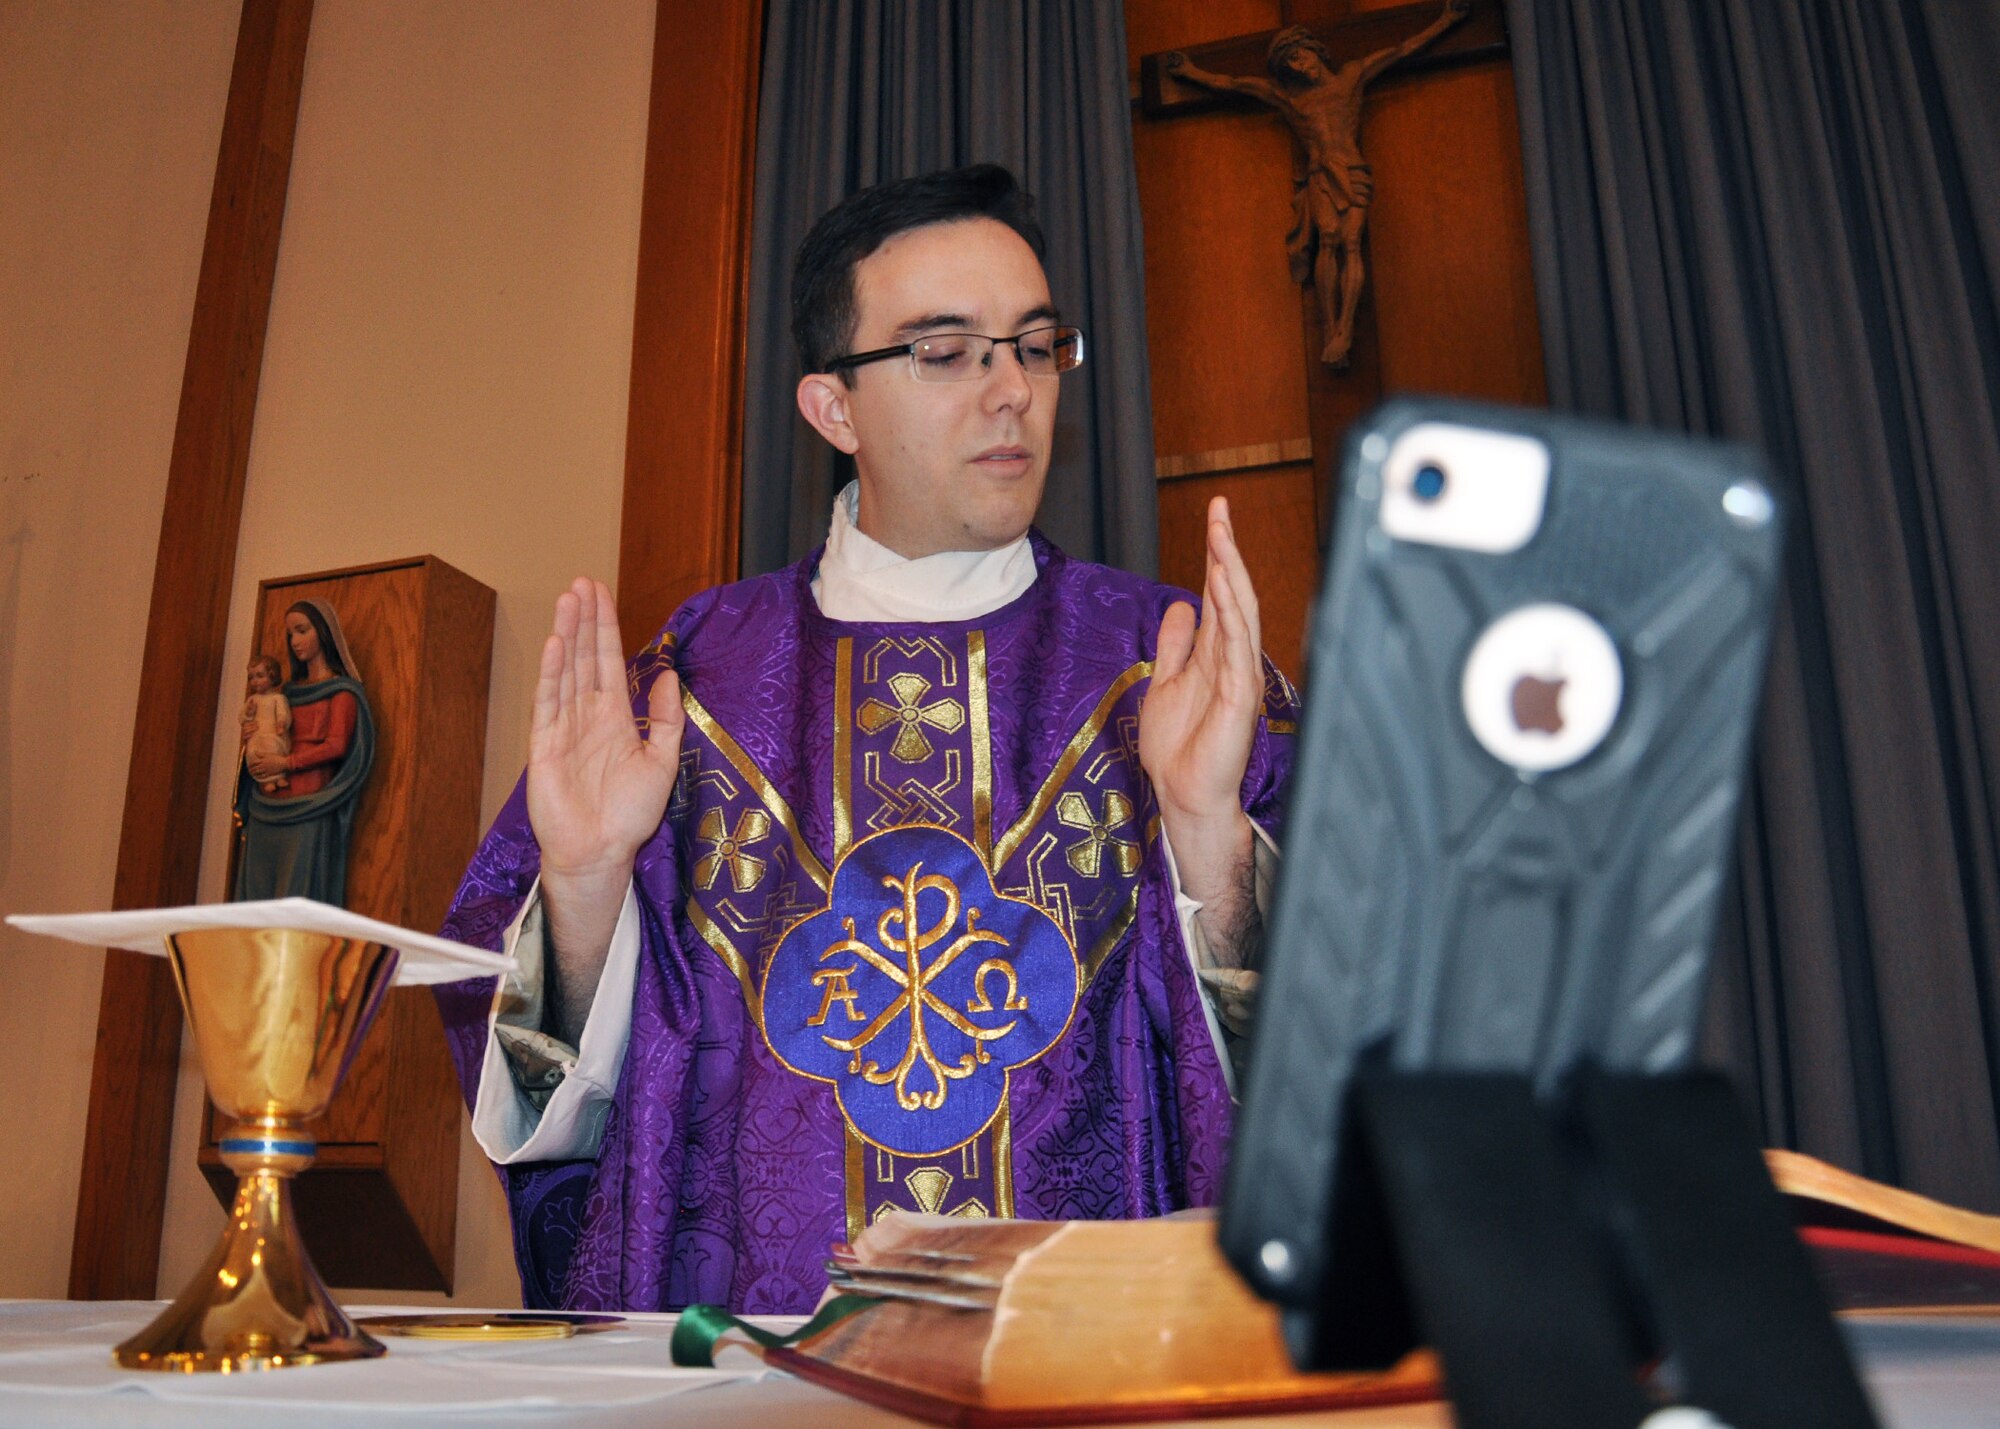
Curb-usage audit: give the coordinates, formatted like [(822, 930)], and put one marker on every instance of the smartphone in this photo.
[(1533, 673)]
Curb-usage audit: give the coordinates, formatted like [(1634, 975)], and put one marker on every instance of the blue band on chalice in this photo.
[(269, 1146), (916, 990)]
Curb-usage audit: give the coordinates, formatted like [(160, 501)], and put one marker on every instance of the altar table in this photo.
[(55, 1368)]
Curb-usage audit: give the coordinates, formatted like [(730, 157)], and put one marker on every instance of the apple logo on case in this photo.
[(1538, 704), (1542, 687)]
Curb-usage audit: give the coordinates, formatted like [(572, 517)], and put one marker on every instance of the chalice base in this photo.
[(257, 1304)]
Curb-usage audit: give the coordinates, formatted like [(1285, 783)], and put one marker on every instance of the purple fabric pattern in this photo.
[(1003, 934)]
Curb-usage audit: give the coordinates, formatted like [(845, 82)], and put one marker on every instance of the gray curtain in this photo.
[(1779, 221), (856, 92)]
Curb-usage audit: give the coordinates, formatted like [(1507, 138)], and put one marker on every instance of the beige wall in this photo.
[(446, 373), (110, 111)]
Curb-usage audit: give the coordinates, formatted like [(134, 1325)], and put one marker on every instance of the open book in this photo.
[(990, 1322), (1881, 1250), (1040, 1322)]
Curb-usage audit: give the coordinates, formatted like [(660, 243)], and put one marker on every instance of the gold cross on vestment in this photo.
[(727, 849), (1086, 855), (912, 745)]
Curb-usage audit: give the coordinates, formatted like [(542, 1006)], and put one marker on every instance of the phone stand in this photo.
[(1549, 1249)]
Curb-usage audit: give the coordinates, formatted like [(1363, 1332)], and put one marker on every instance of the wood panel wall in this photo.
[(1233, 343), (679, 528), (121, 1195)]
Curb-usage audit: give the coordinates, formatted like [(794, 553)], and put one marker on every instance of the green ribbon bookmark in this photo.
[(702, 1325)]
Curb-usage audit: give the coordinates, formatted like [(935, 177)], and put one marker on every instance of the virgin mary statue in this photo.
[(296, 844)]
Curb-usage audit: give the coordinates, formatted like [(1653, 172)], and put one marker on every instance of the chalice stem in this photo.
[(257, 1303)]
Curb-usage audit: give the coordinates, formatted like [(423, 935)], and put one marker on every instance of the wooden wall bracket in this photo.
[(380, 1207)]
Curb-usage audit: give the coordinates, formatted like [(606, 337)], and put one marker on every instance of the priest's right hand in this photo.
[(597, 787)]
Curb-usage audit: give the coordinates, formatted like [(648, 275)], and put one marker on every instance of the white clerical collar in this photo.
[(859, 578)]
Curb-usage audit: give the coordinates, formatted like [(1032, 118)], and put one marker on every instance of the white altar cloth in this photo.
[(55, 1369)]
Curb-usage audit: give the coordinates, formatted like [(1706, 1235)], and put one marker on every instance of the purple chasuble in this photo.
[(908, 940)]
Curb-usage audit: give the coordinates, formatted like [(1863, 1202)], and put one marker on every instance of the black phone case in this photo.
[(1439, 909)]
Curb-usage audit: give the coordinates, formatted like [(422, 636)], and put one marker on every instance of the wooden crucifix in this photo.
[(1315, 76)]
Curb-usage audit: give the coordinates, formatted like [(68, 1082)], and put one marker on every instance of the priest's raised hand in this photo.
[(1196, 729), (597, 789)]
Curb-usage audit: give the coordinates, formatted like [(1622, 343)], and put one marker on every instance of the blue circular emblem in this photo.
[(916, 989)]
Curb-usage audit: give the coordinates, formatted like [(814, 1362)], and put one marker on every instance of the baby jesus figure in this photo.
[(267, 719)]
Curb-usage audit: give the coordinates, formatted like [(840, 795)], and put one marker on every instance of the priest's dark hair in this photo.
[(328, 646), (823, 272)]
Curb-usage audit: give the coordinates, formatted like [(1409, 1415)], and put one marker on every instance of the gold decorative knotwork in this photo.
[(1053, 896), (908, 799), (907, 651), (1087, 854), (914, 977), (726, 849), (912, 745)]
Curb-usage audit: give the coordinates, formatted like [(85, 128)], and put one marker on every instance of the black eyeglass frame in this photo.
[(909, 349)]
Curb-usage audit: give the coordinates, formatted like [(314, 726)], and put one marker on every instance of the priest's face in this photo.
[(945, 466)]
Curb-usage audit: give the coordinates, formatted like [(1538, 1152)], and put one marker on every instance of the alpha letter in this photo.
[(835, 982)]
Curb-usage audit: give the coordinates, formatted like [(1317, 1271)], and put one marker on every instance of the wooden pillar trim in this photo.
[(121, 1199), (1225, 461), (684, 432)]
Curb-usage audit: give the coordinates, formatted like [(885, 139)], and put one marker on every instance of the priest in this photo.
[(924, 874)]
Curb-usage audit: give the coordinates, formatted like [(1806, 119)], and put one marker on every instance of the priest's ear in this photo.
[(824, 402)]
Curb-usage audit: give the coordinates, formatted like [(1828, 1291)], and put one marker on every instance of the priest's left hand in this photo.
[(1195, 731)]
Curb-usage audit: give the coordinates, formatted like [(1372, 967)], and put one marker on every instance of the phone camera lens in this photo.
[(1428, 483)]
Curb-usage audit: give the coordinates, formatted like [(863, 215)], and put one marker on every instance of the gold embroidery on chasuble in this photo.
[(750, 868), (1087, 855), (913, 776), (1096, 787), (726, 849), (1282, 696), (925, 955), (910, 714)]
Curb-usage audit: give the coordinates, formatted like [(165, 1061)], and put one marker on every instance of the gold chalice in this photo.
[(277, 1015)]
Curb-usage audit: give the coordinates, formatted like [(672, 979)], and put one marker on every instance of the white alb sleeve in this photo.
[(505, 1121), (1226, 993)]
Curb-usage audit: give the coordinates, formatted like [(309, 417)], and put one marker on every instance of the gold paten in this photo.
[(470, 1327), (276, 1015)]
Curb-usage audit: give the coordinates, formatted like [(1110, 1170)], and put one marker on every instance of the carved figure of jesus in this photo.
[(266, 720), (1331, 185)]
